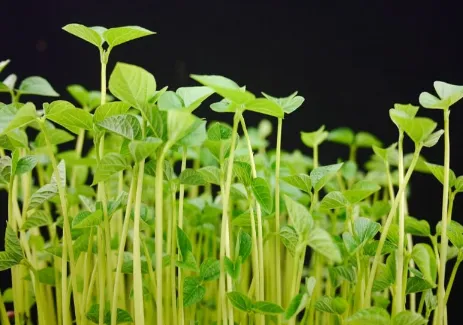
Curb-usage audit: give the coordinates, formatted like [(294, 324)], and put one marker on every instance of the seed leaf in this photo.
[(209, 269), (265, 106), (342, 135), (110, 109), (119, 35), (86, 33), (288, 104), (142, 149), (296, 305), (313, 139), (192, 97), (193, 291), (321, 175), (418, 129), (373, 315), (267, 308), (449, 94), (126, 125), (240, 301), (300, 181), (432, 140), (366, 140), (111, 164), (132, 84), (407, 317), (38, 219), (322, 242), (37, 86), (438, 172), (425, 259), (261, 191)]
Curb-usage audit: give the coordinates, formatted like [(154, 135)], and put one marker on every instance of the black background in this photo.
[(351, 60)]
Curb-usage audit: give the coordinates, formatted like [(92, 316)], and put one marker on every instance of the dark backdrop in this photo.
[(351, 60)]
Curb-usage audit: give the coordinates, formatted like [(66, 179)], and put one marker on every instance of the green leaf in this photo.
[(3, 64), (233, 269), (24, 116), (179, 124), (38, 218), (86, 33), (219, 131), (209, 269), (119, 35), (417, 227), (193, 96), (299, 216), (240, 301), (300, 181), (322, 242), (267, 308), (261, 191), (12, 244), (46, 276), (365, 229), (191, 177), (244, 245), (346, 272), (409, 109), (438, 172), (26, 164), (321, 175), (195, 136), (211, 174), (313, 139), (183, 242), (126, 125), (193, 291), (334, 200), (37, 86), (296, 305), (42, 195), (289, 238), (385, 153), (418, 129), (342, 135), (416, 284), (288, 104), (331, 305), (361, 190), (407, 317), (122, 315), (86, 219), (71, 118), (111, 164), (8, 260), (424, 257), (432, 139), (373, 315), (265, 106), (366, 140), (132, 84), (242, 170), (141, 150), (225, 87), (455, 237), (110, 109), (449, 94), (55, 136)]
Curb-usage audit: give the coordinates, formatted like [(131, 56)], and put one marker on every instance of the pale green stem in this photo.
[(3, 315), (452, 277), (101, 277), (181, 315), (387, 224), (444, 239), (399, 298), (277, 217), (137, 275)]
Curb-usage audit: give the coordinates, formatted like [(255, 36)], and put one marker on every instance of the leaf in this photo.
[(365, 229), (334, 200), (240, 301), (455, 237), (233, 269), (195, 136), (296, 305), (432, 139), (47, 276), (242, 170), (55, 136), (122, 316), (8, 260), (191, 177), (38, 218), (288, 104), (193, 291), (366, 140), (218, 131), (86, 219), (265, 106), (322, 242), (438, 172), (418, 128), (424, 257), (3, 64), (244, 245), (313, 139), (110, 109), (361, 190), (373, 315), (210, 174), (42, 195), (346, 272), (12, 244), (408, 318), (132, 84), (225, 87), (26, 164), (416, 284), (126, 125), (24, 116), (417, 227), (86, 33), (119, 35), (261, 191), (300, 181), (321, 175), (289, 238), (193, 96), (141, 150), (111, 164), (209, 269), (71, 118), (342, 135), (179, 124), (37, 86), (449, 94), (267, 308), (183, 242), (299, 216)]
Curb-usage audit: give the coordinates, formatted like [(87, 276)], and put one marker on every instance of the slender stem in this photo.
[(3, 315), (101, 277), (387, 224), (173, 256), (452, 277), (399, 299), (277, 217), (137, 275), (444, 239), (181, 315)]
